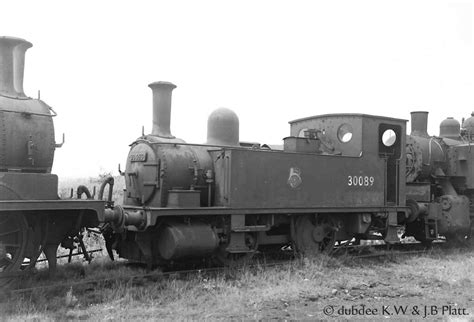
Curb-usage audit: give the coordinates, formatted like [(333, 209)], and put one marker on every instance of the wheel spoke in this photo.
[(9, 232), (11, 245)]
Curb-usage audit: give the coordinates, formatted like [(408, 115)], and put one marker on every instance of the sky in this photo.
[(269, 61)]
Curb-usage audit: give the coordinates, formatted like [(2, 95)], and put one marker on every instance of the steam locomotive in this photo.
[(440, 187), (337, 177), (32, 217)]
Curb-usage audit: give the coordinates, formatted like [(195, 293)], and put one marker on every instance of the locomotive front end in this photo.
[(166, 174), (162, 170)]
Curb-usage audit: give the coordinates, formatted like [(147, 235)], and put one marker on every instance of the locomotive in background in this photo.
[(440, 180), (32, 217)]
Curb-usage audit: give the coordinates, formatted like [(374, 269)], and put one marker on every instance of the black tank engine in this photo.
[(337, 177)]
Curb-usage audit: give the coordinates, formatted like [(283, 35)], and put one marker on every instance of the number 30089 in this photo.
[(363, 181)]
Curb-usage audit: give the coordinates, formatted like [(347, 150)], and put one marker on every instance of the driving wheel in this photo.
[(314, 235), (13, 242)]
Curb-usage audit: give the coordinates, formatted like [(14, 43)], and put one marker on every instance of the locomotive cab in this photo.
[(357, 135)]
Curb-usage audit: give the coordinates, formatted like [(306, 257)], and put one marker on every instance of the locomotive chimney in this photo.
[(162, 108), (419, 123), (12, 65)]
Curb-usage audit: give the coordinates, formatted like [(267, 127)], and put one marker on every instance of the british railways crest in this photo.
[(294, 180)]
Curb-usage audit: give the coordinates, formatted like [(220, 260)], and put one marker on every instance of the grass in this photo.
[(298, 290)]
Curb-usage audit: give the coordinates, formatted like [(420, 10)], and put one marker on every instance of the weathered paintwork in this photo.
[(355, 179), (288, 180), (26, 127), (154, 168), (25, 186)]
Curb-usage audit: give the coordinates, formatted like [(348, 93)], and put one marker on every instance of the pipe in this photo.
[(83, 190), (12, 66), (162, 108), (419, 123), (108, 181)]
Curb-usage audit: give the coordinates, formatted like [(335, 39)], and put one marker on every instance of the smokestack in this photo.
[(12, 66), (419, 123), (162, 108)]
